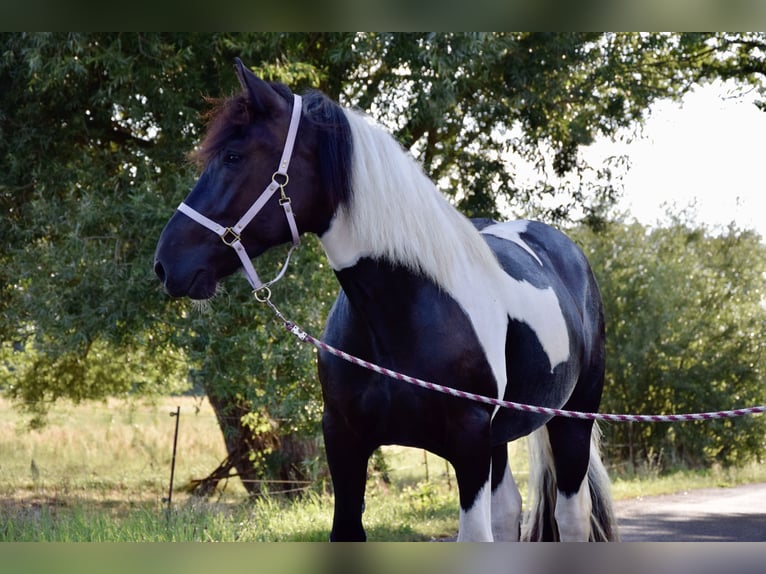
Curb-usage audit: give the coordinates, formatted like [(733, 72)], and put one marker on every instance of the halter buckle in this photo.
[(229, 236)]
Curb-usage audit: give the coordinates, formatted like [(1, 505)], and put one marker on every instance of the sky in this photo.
[(709, 150)]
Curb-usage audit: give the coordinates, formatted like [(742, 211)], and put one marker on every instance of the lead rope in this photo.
[(264, 296)]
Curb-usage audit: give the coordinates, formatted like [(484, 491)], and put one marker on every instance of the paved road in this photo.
[(736, 514)]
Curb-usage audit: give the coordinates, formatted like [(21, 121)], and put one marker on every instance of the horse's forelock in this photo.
[(227, 116), (224, 118)]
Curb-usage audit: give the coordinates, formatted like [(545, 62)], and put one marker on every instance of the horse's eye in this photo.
[(231, 158)]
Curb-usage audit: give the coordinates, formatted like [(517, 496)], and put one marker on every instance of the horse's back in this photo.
[(536, 252)]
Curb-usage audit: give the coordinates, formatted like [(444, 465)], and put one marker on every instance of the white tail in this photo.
[(539, 522)]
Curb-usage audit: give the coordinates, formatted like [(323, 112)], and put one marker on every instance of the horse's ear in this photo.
[(260, 94)]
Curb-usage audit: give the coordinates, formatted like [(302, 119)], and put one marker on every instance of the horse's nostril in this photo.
[(159, 270)]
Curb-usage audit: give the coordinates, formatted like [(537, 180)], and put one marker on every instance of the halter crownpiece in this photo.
[(279, 180)]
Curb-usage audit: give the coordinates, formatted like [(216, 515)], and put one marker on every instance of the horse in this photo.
[(506, 309)]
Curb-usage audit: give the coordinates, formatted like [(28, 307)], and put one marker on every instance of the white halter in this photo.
[(231, 235)]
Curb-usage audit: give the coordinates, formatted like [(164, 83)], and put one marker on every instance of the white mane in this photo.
[(397, 213)]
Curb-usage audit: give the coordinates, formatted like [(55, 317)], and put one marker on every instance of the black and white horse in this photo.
[(510, 310)]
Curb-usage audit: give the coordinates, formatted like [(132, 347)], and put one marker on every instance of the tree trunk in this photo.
[(263, 461)]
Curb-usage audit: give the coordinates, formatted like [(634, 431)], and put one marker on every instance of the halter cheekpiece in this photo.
[(231, 236)]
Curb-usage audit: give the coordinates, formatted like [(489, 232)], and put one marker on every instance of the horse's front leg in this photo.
[(473, 468), (475, 500), (347, 460), (506, 499)]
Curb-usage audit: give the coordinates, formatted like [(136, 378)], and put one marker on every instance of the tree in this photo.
[(685, 315), (94, 129), (92, 143)]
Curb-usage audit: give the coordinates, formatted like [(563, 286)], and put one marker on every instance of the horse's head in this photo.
[(242, 157)]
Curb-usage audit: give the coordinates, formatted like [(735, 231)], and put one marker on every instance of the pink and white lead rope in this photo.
[(306, 338)]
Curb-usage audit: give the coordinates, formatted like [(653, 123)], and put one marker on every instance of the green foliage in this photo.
[(685, 318), (260, 379), (93, 132)]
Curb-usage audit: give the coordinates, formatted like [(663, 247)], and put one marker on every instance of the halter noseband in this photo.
[(279, 179)]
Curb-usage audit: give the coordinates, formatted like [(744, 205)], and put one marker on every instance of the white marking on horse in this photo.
[(506, 509), (572, 514), (338, 242), (475, 524), (511, 231)]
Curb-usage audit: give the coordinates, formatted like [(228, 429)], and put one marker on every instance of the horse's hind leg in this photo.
[(347, 460), (570, 442), (506, 499)]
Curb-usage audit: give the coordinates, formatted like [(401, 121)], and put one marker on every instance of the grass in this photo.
[(100, 472)]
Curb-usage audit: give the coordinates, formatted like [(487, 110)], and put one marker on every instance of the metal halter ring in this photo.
[(266, 294), (284, 175)]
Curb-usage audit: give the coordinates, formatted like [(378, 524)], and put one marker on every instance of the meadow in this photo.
[(101, 472)]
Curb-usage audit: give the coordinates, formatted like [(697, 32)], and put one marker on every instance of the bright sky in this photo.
[(709, 149)]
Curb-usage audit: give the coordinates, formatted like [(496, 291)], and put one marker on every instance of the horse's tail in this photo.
[(539, 523)]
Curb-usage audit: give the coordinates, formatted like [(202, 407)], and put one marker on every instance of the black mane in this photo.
[(335, 144)]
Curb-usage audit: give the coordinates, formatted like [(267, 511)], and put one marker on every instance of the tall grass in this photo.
[(116, 450), (101, 471)]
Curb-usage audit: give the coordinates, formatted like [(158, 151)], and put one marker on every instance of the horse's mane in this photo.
[(393, 210), (397, 212)]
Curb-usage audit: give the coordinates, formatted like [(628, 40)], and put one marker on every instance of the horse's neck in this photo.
[(387, 291), (340, 245), (382, 287), (437, 243), (393, 302), (368, 277)]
